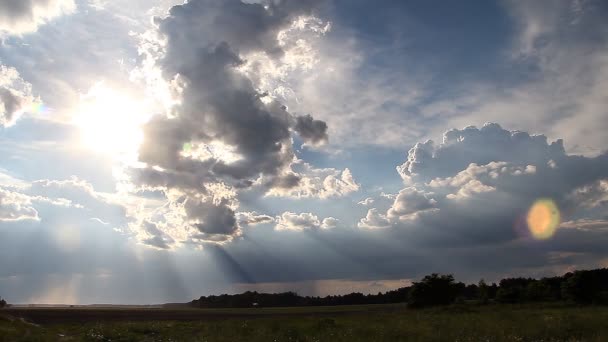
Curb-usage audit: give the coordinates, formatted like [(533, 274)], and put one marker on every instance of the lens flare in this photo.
[(39, 108), (543, 219)]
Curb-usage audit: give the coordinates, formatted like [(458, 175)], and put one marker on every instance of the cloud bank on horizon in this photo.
[(210, 146)]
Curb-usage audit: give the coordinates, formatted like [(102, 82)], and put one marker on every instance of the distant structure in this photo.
[(2, 302)]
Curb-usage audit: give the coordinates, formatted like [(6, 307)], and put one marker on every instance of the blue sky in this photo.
[(157, 151)]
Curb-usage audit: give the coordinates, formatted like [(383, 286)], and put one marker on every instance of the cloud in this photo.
[(24, 16), (246, 137), (410, 202), (16, 207), (374, 220), (567, 99), (252, 218), (315, 183), (303, 221), (80, 194), (15, 95), (312, 131), (491, 143), (329, 223), (155, 237), (591, 196), (94, 46), (366, 202), (61, 205), (477, 183)]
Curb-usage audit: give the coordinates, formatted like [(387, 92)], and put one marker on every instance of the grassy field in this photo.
[(356, 323)]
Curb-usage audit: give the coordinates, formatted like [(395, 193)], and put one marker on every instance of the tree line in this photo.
[(581, 287)]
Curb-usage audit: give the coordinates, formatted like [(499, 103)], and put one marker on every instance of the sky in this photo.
[(158, 151)]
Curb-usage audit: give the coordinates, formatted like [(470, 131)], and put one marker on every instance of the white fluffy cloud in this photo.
[(304, 221), (374, 220), (15, 206), (316, 183), (410, 202), (23, 16)]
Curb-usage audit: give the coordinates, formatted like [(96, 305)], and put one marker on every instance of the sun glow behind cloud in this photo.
[(110, 122)]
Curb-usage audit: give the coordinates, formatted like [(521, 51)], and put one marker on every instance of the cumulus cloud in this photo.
[(410, 202), (15, 206), (491, 143), (220, 131), (374, 220), (479, 182), (15, 95), (23, 16), (303, 221), (315, 183)]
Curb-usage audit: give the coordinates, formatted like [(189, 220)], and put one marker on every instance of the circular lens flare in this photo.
[(543, 219)]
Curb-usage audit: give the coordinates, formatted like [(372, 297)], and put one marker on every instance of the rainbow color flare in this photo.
[(543, 219), (39, 108)]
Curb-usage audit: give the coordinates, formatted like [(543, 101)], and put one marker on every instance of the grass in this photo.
[(456, 323)]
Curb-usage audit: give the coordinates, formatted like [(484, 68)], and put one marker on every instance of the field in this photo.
[(346, 323)]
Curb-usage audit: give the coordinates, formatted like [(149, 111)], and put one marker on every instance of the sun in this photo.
[(109, 122)]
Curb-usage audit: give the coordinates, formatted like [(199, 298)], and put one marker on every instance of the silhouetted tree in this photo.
[(586, 287), (483, 292), (513, 290), (2, 302), (434, 290), (538, 291)]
